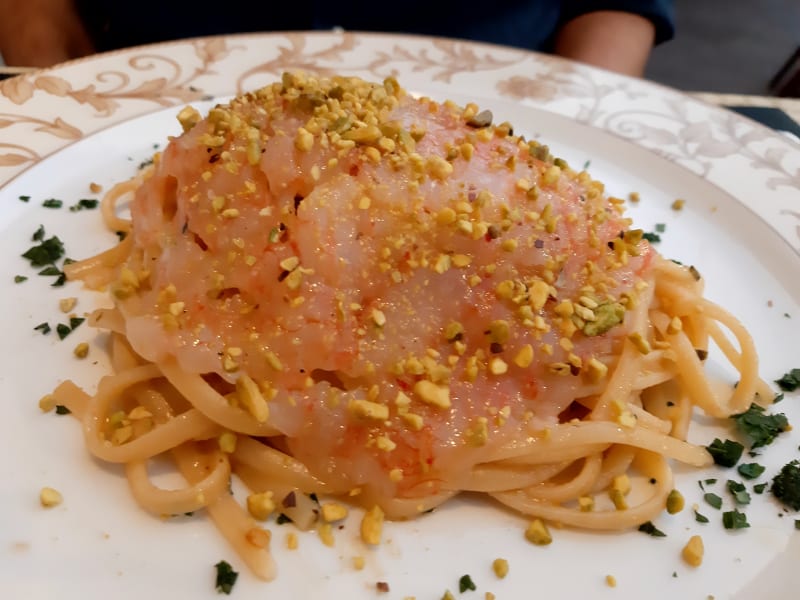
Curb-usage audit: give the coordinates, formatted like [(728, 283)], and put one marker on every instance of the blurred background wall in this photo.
[(727, 46)]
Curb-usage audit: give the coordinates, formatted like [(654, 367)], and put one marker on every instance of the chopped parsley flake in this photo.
[(761, 428), (750, 470), (62, 410), (661, 227), (759, 488), (790, 381), (226, 577), (46, 253), (282, 518), (64, 330), (121, 235), (52, 203), (786, 485), (738, 492), (49, 271), (700, 518), (24, 198), (797, 523), (84, 204), (466, 583), (651, 529), (733, 519), (713, 500), (651, 237), (727, 453), (43, 327), (20, 278)]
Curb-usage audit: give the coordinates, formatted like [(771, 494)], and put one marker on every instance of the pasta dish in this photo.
[(329, 287)]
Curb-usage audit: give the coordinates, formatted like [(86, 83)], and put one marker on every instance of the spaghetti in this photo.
[(330, 287)]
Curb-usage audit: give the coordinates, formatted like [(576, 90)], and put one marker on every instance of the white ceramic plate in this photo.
[(99, 118)]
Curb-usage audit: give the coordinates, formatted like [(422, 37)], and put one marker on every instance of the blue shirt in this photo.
[(521, 23)]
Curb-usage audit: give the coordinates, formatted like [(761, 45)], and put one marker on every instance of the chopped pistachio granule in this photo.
[(50, 497)]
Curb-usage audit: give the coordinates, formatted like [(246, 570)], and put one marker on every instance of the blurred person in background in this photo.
[(613, 34)]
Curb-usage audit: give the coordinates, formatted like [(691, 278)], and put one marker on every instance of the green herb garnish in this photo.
[(786, 485), (790, 381), (761, 428), (759, 488), (52, 203), (651, 529), (64, 330), (282, 518), (38, 235), (727, 453), (226, 577), (713, 500), (24, 198), (62, 410), (700, 518), (466, 583), (733, 519), (661, 227), (84, 204), (750, 470), (739, 492), (651, 237), (20, 278), (46, 253), (43, 327)]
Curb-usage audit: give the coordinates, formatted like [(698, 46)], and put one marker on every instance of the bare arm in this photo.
[(40, 33), (614, 40)]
